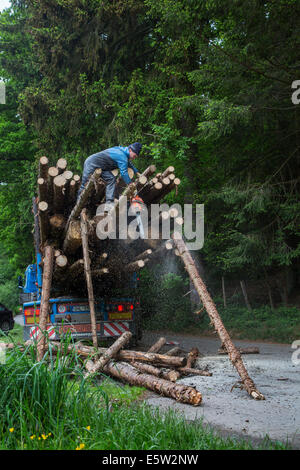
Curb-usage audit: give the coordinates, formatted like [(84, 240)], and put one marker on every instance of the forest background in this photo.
[(206, 87)]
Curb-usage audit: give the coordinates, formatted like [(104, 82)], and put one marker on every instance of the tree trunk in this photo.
[(128, 355), (192, 357), (72, 239), (57, 225), (88, 276), (76, 269), (224, 292), (191, 371), (149, 171), (42, 189), (43, 167), (110, 353), (216, 321), (244, 290), (43, 221), (173, 351), (59, 183), (166, 374), (44, 307), (158, 345), (180, 393), (241, 351), (61, 165)]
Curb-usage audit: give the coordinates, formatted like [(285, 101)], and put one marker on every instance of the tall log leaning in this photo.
[(234, 355), (88, 275), (44, 308)]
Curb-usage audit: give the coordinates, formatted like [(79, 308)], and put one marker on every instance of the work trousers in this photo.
[(103, 161)]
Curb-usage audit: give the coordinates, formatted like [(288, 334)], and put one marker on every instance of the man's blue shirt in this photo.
[(121, 156)]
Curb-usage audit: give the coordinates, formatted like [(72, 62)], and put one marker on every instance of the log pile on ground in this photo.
[(150, 369)]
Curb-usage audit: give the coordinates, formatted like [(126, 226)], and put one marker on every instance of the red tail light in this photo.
[(31, 311), (120, 308)]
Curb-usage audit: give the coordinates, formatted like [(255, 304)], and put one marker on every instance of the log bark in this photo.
[(145, 254), (57, 225), (60, 266), (76, 269), (135, 265), (224, 292), (43, 168), (43, 221), (181, 393), (192, 357), (42, 189), (149, 171), (192, 371), (88, 276), (168, 171), (72, 192), (36, 229), (59, 183), (173, 351), (84, 196), (72, 239), (241, 351), (44, 307), (158, 345), (110, 353), (100, 272), (52, 173), (101, 259), (161, 360), (140, 183), (216, 321)]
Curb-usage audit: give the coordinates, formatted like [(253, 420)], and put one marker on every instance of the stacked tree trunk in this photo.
[(59, 212)]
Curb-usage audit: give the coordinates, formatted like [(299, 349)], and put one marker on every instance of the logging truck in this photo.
[(70, 315), (82, 285)]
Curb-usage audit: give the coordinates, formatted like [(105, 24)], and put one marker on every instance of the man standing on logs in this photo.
[(108, 160)]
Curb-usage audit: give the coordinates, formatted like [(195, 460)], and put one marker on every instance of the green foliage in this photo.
[(41, 407), (164, 303), (262, 323), (206, 86)]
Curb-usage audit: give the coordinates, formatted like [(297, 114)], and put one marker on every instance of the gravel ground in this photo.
[(235, 412)]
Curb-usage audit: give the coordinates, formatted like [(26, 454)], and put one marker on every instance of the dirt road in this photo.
[(235, 413)]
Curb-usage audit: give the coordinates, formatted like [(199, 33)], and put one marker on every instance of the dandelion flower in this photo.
[(11, 429), (88, 428), (32, 437), (80, 447)]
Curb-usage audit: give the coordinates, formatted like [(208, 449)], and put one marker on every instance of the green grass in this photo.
[(51, 405), (281, 325)]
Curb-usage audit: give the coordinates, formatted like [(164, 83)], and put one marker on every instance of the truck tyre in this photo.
[(5, 325)]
